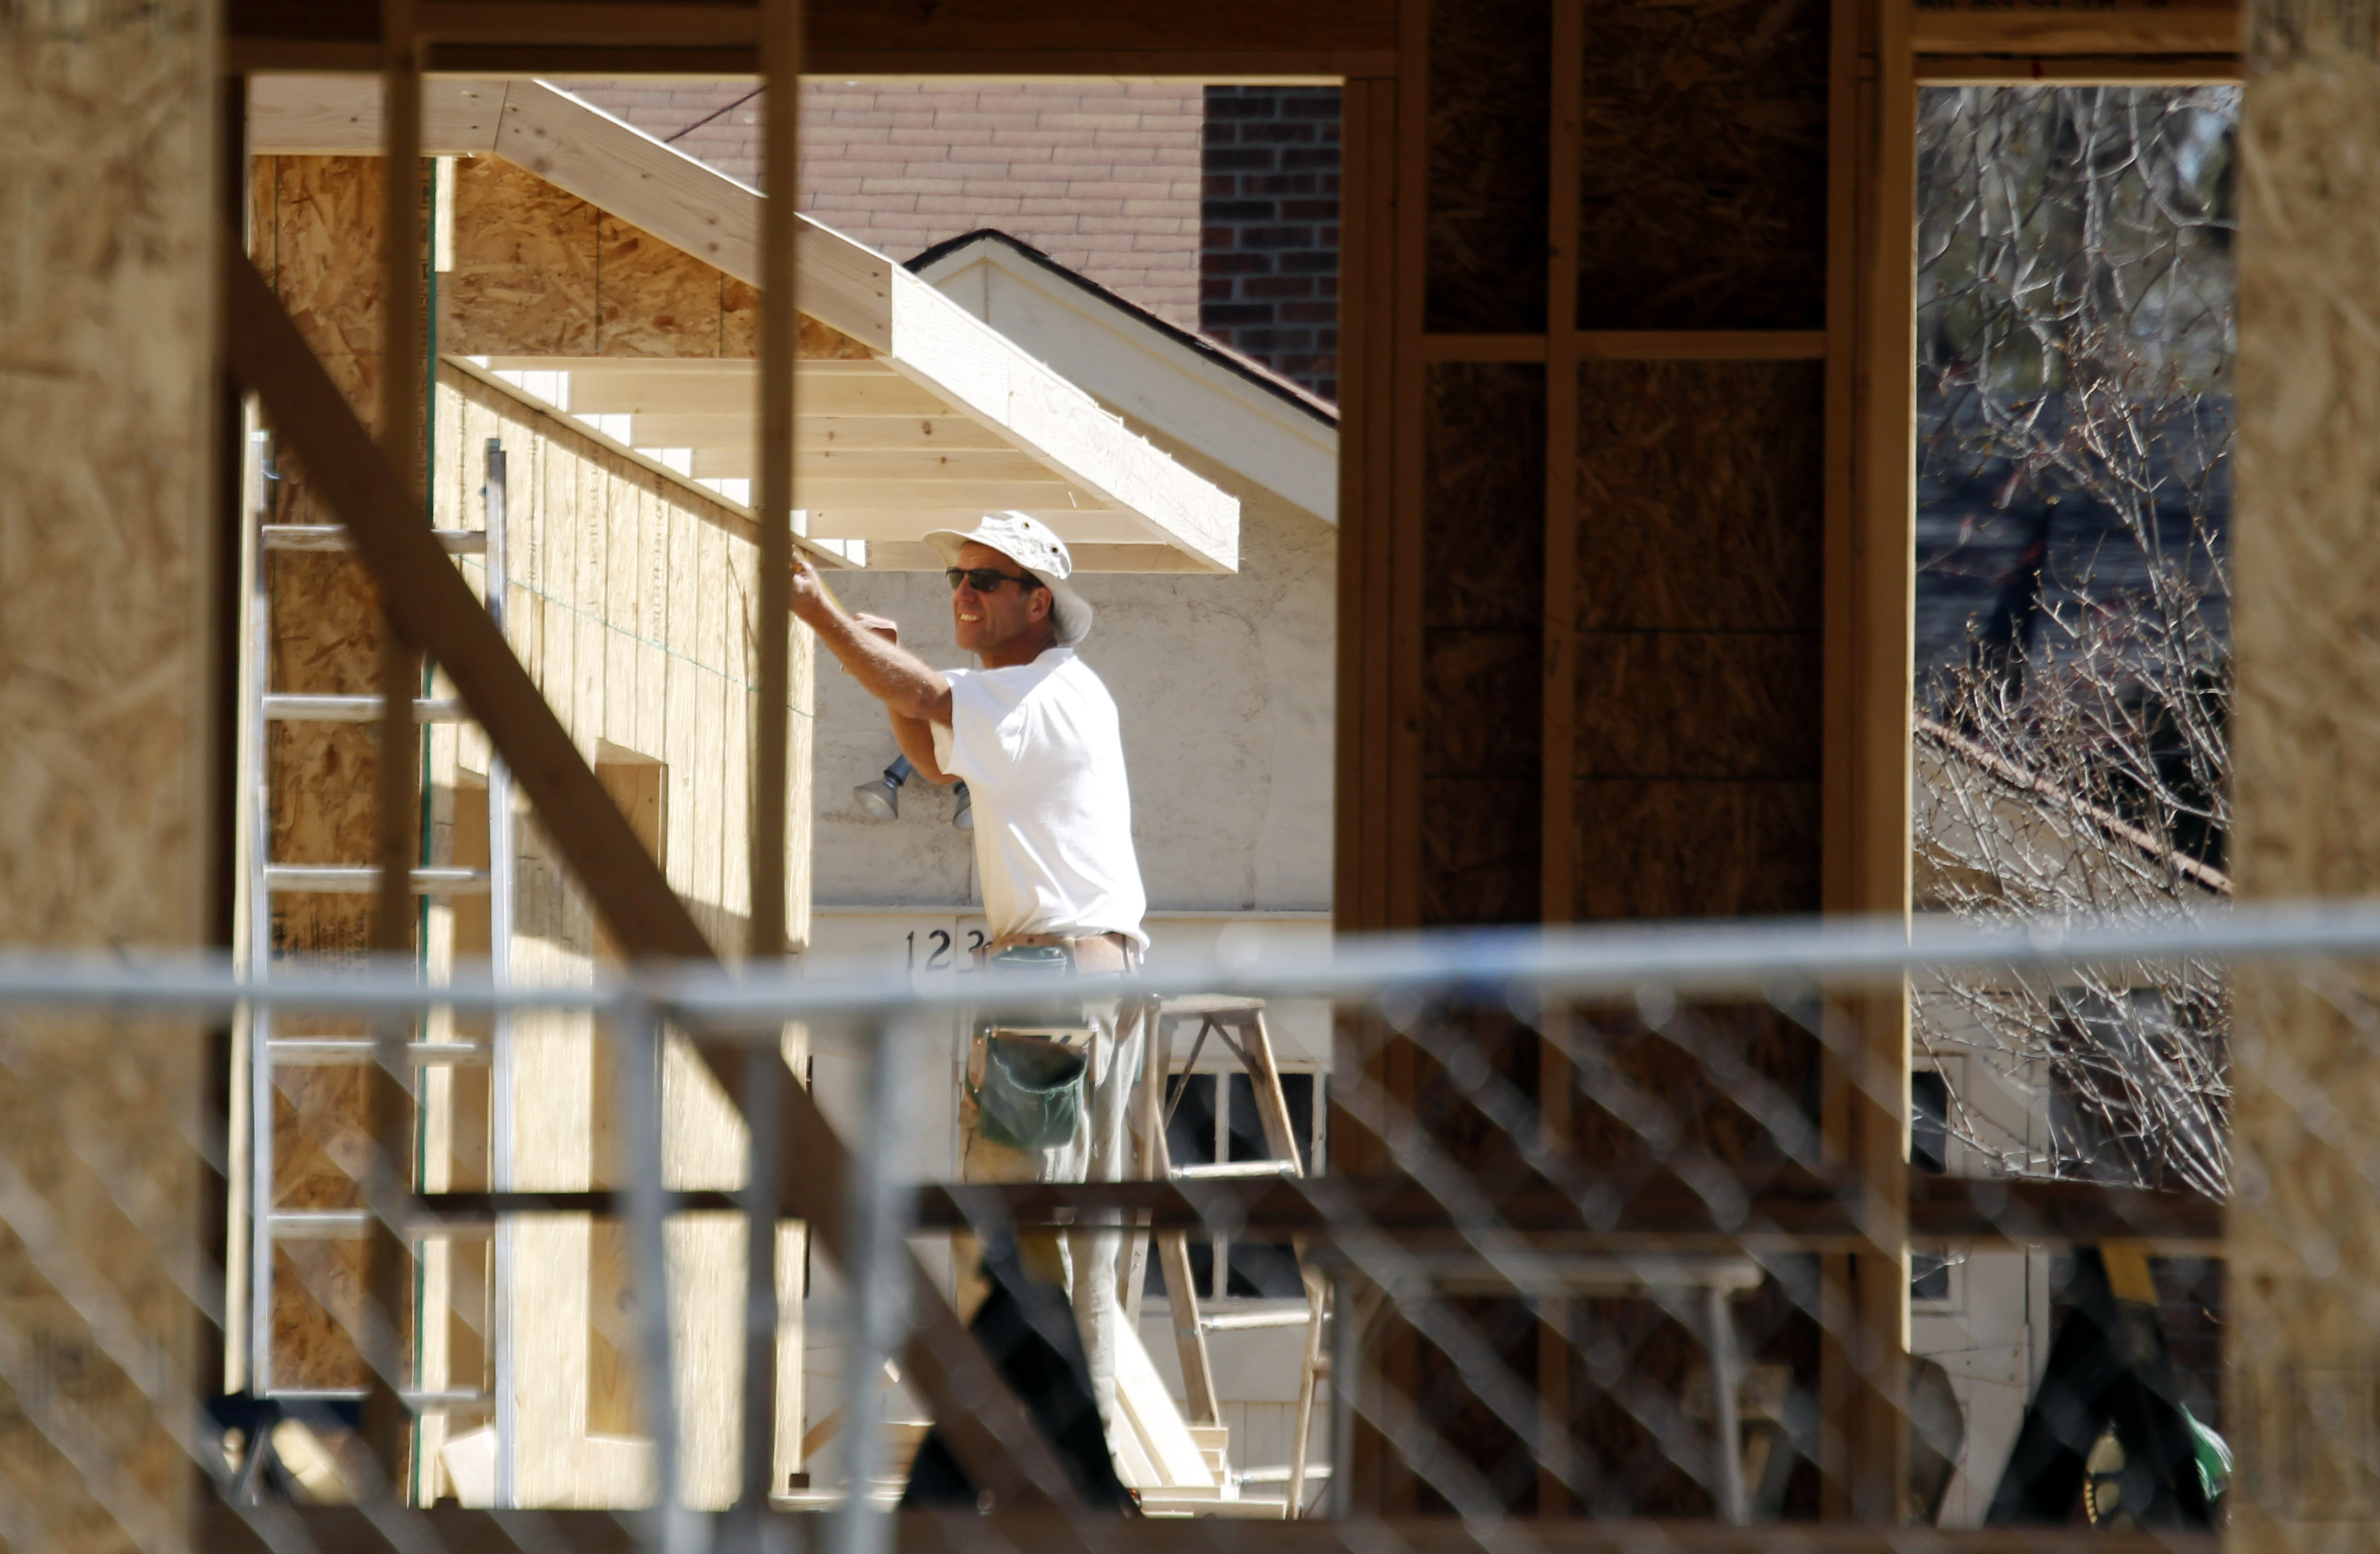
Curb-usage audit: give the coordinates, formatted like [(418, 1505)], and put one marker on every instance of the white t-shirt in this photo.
[(1042, 753)]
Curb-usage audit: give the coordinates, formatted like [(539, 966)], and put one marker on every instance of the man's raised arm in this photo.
[(915, 694)]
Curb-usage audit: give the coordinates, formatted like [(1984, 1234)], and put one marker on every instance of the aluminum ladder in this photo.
[(268, 1049)]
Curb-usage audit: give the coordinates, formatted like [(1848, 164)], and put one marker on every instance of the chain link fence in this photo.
[(1572, 1232)]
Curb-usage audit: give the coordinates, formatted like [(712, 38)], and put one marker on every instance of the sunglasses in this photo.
[(984, 579)]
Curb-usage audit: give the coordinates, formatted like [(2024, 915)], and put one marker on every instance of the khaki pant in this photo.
[(1081, 1261)]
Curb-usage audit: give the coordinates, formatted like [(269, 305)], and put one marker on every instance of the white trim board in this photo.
[(1139, 366)]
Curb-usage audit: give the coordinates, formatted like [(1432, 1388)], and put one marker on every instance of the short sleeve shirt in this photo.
[(1041, 752)]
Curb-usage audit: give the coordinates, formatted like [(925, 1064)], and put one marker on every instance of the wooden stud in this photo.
[(1407, 475), (1874, 872), (1559, 790), (396, 760), (1850, 103), (780, 342)]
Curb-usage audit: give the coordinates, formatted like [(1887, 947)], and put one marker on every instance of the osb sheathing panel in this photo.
[(526, 256), (106, 303), (1489, 98), (1698, 705), (2301, 1348), (539, 272), (1483, 593), (1690, 847), (1701, 495), (1703, 172), (1699, 671)]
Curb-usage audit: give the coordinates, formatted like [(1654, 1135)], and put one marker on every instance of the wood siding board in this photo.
[(625, 558), (654, 516), (682, 693), (1704, 191)]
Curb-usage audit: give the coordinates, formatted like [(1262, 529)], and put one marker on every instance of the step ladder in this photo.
[(1239, 1025), (270, 1048)]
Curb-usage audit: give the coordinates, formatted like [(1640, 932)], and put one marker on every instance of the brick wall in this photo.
[(1101, 177), (1269, 261)]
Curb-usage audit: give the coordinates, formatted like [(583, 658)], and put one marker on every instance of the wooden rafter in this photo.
[(933, 359)]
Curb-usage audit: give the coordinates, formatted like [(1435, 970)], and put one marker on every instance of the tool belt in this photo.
[(1027, 1087), (1101, 954)]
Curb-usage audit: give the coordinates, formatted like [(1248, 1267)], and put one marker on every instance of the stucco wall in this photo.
[(1225, 687)]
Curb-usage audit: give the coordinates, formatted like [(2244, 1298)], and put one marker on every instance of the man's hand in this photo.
[(868, 647), (810, 603)]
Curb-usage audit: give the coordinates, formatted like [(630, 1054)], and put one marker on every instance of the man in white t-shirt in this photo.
[(1034, 736)]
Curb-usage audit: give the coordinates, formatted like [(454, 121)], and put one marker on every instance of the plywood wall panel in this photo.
[(1488, 133), (656, 300), (1700, 495), (526, 256), (1479, 850), (1699, 704), (539, 272), (1483, 592), (2299, 1336), (1686, 848), (1702, 188), (106, 306)]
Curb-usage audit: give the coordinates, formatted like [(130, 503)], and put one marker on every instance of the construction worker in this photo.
[(1034, 736)]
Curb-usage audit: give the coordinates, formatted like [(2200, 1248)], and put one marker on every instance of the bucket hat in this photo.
[(1031, 544)]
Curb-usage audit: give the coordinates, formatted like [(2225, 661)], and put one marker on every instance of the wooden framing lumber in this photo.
[(432, 606), (2052, 31), (1865, 785), (2171, 69), (1001, 39), (222, 1528), (1636, 345), (340, 115), (1558, 788), (396, 764), (954, 365)]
